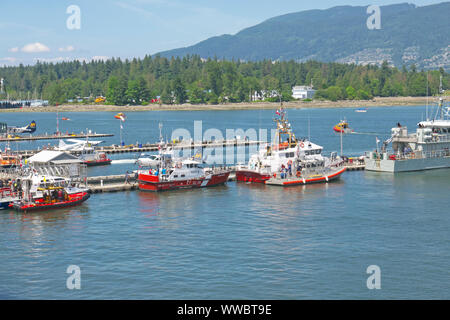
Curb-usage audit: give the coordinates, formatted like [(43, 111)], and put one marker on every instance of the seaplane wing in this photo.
[(27, 129), (76, 145), (78, 141)]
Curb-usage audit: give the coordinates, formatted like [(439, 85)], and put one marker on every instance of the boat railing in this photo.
[(408, 155)]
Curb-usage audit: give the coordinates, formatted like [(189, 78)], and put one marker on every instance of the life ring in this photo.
[(299, 174), (302, 145)]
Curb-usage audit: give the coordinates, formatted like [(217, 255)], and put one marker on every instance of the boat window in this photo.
[(307, 153), (182, 175), (175, 176)]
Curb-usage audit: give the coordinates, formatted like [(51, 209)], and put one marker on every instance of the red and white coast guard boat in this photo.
[(185, 174), (290, 161)]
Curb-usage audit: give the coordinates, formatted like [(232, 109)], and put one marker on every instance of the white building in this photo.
[(303, 92), (56, 163)]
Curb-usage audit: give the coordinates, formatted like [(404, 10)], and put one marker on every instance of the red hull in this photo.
[(329, 178), (151, 183), (251, 176), (98, 162)]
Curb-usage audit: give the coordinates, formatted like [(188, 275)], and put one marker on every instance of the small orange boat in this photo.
[(342, 127), (9, 160)]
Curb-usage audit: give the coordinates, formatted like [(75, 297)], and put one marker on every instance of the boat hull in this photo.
[(419, 164), (76, 200), (300, 181), (148, 182), (251, 176), (4, 204), (98, 162)]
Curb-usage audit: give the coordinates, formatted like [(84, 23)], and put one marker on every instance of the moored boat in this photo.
[(39, 192), (427, 148), (8, 160), (94, 158), (54, 198), (290, 161), (185, 174), (7, 196)]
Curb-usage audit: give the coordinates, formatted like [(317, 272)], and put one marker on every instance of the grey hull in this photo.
[(407, 165)]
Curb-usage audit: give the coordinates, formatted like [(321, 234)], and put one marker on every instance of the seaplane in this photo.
[(86, 150), (27, 129)]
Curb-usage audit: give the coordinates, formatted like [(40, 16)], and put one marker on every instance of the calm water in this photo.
[(237, 241)]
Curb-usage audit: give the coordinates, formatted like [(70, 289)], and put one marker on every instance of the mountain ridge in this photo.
[(409, 35)]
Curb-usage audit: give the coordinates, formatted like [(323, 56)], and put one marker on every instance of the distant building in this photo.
[(303, 92), (264, 94), (38, 103)]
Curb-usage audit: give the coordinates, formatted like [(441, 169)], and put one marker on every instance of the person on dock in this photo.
[(127, 178)]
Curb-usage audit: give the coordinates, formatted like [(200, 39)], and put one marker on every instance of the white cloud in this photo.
[(135, 9), (66, 49), (35, 47), (15, 49), (96, 58), (53, 60)]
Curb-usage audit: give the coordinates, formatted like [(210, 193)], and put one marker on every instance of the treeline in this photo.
[(195, 80)]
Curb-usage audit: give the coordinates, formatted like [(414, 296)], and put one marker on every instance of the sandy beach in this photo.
[(376, 102)]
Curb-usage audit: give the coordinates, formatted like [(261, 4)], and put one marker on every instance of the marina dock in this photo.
[(116, 183)]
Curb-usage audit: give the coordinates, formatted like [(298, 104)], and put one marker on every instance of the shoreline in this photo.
[(376, 102)]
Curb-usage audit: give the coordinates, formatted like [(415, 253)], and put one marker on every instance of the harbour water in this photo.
[(238, 241)]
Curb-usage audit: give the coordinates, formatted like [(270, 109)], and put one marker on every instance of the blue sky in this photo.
[(36, 29)]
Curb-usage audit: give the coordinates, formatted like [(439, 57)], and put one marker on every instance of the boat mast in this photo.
[(427, 99), (441, 99)]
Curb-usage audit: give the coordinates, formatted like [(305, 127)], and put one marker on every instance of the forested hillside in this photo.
[(408, 35), (195, 80)]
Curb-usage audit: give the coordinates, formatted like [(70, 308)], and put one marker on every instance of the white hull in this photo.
[(407, 165)]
